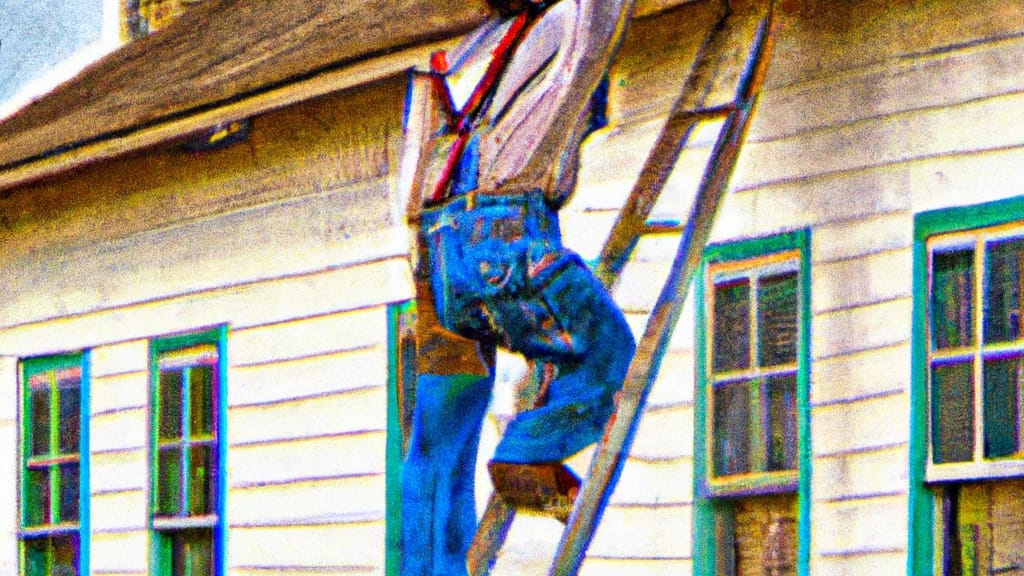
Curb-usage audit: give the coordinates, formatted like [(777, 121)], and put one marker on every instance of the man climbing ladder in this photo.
[(492, 148)]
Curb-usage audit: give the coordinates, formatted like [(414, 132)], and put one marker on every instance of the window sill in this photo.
[(48, 530), (961, 471), (161, 523), (753, 484)]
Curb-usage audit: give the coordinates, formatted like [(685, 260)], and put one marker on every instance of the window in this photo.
[(54, 441), (753, 309), (401, 392), (975, 352), (751, 509), (187, 488), (967, 448)]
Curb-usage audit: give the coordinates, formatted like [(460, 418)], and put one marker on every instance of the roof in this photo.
[(220, 52)]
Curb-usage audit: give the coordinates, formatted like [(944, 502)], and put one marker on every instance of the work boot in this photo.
[(547, 488)]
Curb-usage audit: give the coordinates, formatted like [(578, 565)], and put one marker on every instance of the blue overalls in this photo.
[(494, 271)]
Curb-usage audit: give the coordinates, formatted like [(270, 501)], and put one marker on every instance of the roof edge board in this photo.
[(350, 76)]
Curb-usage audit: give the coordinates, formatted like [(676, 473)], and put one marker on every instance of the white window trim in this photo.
[(979, 468)]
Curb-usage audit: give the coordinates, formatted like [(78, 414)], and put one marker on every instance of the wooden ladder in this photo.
[(722, 85)]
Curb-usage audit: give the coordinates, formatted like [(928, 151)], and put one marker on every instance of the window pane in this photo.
[(69, 493), (170, 404), (781, 446), (65, 555), (36, 552), (951, 299), (731, 428), (169, 481), (1002, 290), (37, 497), (777, 319), (201, 417), (192, 552), (202, 472), (70, 420), (40, 426), (732, 326), (953, 413), (1002, 407)]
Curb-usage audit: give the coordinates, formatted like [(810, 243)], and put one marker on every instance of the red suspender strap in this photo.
[(499, 59)]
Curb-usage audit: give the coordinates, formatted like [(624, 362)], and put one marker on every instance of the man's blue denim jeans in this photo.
[(498, 274)]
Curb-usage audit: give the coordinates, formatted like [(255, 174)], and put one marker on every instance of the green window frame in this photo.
[(188, 398), (967, 397), (401, 391), (756, 369), (54, 515)]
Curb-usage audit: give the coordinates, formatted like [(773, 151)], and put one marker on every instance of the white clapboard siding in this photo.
[(305, 570), (852, 377), (119, 359), (119, 431), (304, 377), (655, 482), (119, 471), (823, 38), (912, 83), (879, 277), (620, 566), (647, 532), (861, 474), (652, 63), (640, 284), (967, 179), (126, 391), (812, 201), (674, 424), (675, 381), (858, 564), (309, 337), (119, 511), (861, 236), (355, 545), (854, 525), (335, 500), (880, 141), (586, 231), (316, 458), (9, 473), (879, 422), (119, 552), (862, 328), (328, 415), (278, 300), (199, 255)]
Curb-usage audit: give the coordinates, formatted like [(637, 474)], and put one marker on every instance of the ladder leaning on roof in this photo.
[(722, 85)]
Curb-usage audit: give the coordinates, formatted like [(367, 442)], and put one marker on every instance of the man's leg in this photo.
[(591, 346), (452, 392)]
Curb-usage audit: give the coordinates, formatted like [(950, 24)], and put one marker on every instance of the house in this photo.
[(206, 287)]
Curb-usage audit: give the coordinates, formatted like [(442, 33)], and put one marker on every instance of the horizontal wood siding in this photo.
[(293, 241), (873, 111), (120, 462), (308, 191), (9, 499), (647, 526)]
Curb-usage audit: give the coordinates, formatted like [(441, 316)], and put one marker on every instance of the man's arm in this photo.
[(423, 119)]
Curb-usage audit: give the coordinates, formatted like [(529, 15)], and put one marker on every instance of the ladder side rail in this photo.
[(710, 91), (614, 448), (498, 515), (683, 116)]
